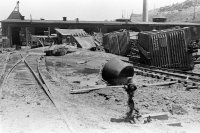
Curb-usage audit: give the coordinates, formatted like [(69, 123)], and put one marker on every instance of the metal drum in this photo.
[(116, 71)]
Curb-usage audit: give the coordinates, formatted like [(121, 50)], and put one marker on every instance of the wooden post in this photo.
[(9, 39), (26, 36), (49, 31)]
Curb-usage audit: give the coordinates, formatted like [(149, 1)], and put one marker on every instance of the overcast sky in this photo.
[(82, 9)]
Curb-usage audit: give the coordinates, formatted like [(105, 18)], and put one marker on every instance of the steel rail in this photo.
[(49, 89), (2, 73), (4, 67), (4, 80), (46, 89), (178, 75), (172, 72), (11, 70), (190, 74), (39, 80), (156, 75), (151, 71)]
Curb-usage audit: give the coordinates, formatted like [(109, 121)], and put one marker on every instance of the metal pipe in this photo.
[(145, 11)]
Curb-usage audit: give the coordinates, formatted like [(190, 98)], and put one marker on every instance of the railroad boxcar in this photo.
[(166, 48)]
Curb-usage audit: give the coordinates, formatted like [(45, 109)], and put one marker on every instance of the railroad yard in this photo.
[(112, 76), (47, 105)]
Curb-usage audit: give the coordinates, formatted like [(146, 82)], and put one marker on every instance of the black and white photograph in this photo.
[(99, 66)]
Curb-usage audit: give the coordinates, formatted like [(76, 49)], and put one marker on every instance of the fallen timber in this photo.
[(79, 91), (51, 96)]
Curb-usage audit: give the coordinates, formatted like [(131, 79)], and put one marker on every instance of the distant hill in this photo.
[(179, 12)]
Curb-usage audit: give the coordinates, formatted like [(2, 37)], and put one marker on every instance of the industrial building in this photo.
[(16, 30)]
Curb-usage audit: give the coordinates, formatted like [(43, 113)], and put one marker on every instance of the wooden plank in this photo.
[(191, 88), (158, 116), (87, 90), (160, 84), (92, 89), (175, 124)]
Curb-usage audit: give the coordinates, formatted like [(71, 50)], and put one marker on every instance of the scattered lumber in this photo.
[(191, 87), (56, 50), (81, 62), (196, 62), (35, 53), (158, 116), (175, 124), (79, 91), (196, 108), (87, 90), (160, 84)]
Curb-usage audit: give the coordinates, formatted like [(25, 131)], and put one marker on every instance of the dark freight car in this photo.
[(117, 43), (166, 48)]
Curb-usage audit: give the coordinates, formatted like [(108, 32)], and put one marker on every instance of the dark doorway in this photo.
[(15, 36), (40, 30), (135, 29)]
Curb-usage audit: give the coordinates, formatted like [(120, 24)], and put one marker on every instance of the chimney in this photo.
[(145, 10), (77, 20), (64, 18), (22, 17)]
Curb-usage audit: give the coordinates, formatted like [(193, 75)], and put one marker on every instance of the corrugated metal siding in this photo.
[(85, 42), (167, 48)]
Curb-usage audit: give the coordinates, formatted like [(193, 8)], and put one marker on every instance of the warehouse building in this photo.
[(16, 30)]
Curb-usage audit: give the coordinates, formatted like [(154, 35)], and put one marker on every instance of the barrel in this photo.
[(116, 71)]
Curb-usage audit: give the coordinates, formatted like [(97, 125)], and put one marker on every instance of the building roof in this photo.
[(61, 22), (95, 22), (73, 32), (122, 20), (83, 39), (85, 42), (15, 15)]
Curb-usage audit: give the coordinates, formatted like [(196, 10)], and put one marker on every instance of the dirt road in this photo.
[(25, 107)]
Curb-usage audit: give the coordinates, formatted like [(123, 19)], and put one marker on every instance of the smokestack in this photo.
[(145, 11), (77, 20), (22, 17)]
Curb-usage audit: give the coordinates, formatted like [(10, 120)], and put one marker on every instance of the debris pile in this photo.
[(42, 41), (75, 37), (56, 50)]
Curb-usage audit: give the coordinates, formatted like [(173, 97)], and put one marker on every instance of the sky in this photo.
[(92, 10)]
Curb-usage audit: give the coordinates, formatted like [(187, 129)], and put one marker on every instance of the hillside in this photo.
[(179, 12)]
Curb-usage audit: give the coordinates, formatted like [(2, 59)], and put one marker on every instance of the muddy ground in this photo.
[(25, 107)]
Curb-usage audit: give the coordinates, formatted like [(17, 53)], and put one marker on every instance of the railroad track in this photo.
[(189, 79), (39, 77), (4, 61)]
